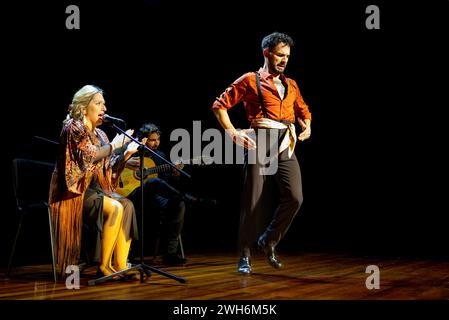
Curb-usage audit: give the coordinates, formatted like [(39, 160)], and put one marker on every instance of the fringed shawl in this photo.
[(75, 168)]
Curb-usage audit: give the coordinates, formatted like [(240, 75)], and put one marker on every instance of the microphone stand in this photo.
[(142, 267)]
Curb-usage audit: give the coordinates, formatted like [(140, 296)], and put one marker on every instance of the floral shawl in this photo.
[(75, 168)]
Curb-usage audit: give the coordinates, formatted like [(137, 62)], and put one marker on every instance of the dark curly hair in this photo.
[(272, 40), (149, 128)]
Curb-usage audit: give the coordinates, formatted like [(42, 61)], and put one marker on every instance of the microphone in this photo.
[(108, 118)]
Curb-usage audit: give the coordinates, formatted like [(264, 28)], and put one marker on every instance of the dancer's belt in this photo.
[(289, 140)]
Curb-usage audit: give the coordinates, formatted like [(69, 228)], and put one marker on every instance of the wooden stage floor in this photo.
[(306, 276)]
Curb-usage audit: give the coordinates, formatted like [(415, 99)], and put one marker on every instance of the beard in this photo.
[(280, 68), (277, 69)]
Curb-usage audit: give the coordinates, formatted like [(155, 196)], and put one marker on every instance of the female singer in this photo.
[(82, 197)]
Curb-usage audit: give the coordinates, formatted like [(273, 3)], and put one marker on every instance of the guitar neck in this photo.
[(158, 169), (165, 167)]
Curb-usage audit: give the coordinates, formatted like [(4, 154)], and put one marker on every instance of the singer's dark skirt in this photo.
[(93, 220)]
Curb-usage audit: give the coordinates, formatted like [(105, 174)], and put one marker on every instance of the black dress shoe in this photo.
[(244, 265), (173, 260), (272, 258)]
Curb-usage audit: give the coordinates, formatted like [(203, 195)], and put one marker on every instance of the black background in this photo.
[(374, 173)]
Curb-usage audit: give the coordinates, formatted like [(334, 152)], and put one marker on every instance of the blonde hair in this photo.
[(80, 101)]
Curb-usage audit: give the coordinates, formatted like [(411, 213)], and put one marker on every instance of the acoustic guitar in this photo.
[(130, 179)]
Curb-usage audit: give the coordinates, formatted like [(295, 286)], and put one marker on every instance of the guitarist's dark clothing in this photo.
[(164, 207)]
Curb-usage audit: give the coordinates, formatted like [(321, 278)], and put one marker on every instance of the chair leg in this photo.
[(156, 247), (181, 246), (13, 250), (53, 260)]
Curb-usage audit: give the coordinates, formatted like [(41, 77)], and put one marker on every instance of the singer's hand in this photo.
[(120, 139), (132, 148)]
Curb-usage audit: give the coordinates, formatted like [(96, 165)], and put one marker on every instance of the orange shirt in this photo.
[(245, 89)]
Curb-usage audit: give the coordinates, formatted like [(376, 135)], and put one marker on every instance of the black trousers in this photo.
[(269, 202), (165, 207)]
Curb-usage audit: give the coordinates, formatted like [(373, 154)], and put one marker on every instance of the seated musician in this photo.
[(162, 202)]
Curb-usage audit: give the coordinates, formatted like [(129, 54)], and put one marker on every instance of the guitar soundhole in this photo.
[(137, 175)]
